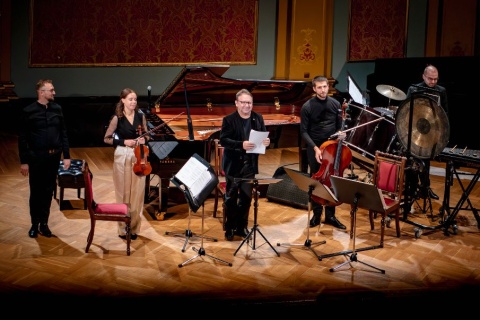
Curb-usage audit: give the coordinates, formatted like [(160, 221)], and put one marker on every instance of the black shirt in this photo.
[(319, 120), (42, 128)]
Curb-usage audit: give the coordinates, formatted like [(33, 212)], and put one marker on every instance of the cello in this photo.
[(336, 157)]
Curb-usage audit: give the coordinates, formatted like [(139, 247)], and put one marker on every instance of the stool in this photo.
[(71, 178)]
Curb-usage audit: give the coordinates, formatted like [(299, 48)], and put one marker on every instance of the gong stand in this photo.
[(410, 185)]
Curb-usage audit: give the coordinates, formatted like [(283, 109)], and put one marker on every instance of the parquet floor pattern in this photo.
[(434, 266)]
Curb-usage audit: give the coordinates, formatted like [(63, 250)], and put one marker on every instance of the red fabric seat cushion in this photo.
[(112, 209)]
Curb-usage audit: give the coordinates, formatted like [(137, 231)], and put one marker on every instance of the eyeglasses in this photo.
[(248, 103), (51, 90)]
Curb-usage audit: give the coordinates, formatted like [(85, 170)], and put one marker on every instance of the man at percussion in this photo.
[(429, 86)]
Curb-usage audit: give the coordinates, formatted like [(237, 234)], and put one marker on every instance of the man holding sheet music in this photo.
[(240, 162)]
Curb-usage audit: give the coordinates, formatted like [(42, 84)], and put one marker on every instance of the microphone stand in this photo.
[(191, 137)]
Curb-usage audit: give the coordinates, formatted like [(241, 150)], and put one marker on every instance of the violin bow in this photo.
[(160, 125)]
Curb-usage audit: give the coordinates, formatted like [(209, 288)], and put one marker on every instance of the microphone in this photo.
[(149, 90)]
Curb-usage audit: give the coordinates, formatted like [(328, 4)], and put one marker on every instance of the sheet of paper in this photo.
[(194, 175), (257, 137)]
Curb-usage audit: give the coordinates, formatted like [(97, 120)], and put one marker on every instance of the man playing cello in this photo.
[(321, 117)]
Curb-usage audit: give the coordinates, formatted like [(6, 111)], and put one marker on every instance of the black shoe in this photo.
[(242, 232), (315, 221), (229, 235), (334, 222), (432, 194), (33, 232), (44, 230)]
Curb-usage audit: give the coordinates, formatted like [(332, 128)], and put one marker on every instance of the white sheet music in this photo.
[(257, 137), (194, 175)]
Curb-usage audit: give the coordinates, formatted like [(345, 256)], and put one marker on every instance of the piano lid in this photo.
[(205, 88)]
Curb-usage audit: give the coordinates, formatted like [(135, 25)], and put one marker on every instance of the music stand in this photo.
[(311, 186), (255, 229), (197, 180), (359, 195), (188, 232), (201, 251)]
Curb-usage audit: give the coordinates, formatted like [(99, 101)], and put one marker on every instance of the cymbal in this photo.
[(391, 92), (430, 127)]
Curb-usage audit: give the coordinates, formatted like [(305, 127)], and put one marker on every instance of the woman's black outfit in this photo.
[(237, 163)]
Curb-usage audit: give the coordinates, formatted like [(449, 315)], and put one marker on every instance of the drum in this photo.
[(430, 128), (386, 112), (364, 139)]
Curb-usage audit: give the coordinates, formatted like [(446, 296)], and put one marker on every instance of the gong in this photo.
[(430, 126)]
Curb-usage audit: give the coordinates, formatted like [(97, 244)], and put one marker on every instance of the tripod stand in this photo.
[(197, 180), (201, 251), (364, 195), (255, 229), (312, 187), (188, 233)]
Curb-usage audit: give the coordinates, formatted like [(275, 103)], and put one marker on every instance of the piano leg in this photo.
[(159, 191)]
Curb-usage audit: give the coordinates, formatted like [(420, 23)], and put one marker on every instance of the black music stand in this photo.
[(188, 234), (197, 180), (255, 229), (359, 195), (311, 186)]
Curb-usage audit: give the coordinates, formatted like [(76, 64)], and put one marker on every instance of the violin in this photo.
[(336, 157), (141, 167)]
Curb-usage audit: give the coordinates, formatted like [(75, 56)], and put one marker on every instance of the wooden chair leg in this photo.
[(397, 222), (371, 217), (90, 236), (127, 229), (60, 201)]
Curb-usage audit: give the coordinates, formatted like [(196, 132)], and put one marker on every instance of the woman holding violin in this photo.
[(321, 117), (130, 146)]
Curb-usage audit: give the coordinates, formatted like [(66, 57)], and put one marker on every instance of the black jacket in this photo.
[(232, 137)]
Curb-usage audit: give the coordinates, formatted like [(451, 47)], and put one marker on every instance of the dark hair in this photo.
[(319, 79)]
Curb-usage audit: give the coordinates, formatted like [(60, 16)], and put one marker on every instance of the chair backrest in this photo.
[(218, 158), (388, 173), (87, 177)]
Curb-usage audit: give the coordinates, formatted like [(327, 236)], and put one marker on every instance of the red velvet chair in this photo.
[(388, 176), (103, 211)]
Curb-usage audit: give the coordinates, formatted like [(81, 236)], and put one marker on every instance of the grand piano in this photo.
[(188, 115)]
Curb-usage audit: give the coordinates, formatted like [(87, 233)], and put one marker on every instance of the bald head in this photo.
[(430, 76)]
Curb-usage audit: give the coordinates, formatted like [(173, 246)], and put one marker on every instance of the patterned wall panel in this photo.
[(377, 29), (142, 32)]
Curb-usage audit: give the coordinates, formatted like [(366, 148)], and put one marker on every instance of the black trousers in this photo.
[(238, 200), (42, 179)]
